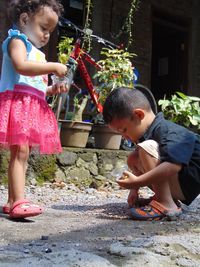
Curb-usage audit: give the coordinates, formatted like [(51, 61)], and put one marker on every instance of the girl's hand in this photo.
[(60, 69), (127, 180), (57, 88)]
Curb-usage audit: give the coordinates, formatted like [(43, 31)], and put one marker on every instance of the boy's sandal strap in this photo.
[(168, 212), (154, 211)]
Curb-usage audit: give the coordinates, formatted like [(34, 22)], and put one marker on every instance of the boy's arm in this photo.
[(165, 170), (18, 55)]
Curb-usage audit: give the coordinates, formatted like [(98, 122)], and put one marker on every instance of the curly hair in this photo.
[(16, 7)]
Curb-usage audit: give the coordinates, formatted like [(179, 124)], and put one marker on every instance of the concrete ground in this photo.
[(90, 228)]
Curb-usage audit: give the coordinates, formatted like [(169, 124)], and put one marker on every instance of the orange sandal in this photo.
[(154, 211), (141, 202), (23, 208)]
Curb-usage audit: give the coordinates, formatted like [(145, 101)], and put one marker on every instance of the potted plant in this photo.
[(74, 131), (182, 109), (115, 71)]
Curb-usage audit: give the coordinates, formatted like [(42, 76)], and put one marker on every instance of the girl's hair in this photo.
[(121, 102), (16, 7)]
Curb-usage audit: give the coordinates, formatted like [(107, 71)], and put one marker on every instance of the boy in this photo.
[(166, 158)]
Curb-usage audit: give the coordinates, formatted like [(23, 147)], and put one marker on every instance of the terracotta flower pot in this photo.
[(105, 138), (74, 133)]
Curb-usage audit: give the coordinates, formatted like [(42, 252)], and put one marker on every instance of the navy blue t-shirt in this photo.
[(178, 145)]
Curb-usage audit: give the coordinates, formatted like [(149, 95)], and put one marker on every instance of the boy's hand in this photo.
[(127, 180), (60, 70)]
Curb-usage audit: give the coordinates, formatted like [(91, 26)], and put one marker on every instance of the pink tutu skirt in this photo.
[(26, 118)]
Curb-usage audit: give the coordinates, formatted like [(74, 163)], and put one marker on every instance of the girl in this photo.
[(26, 120)]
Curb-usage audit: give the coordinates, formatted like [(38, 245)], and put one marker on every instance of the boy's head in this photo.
[(129, 112)]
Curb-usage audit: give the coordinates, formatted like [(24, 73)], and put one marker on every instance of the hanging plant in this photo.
[(127, 27), (87, 31)]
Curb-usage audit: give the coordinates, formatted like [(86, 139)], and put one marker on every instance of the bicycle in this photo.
[(77, 60)]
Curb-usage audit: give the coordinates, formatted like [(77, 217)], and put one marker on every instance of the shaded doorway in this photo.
[(170, 55)]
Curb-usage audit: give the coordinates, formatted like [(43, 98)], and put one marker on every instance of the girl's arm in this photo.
[(18, 55), (165, 170)]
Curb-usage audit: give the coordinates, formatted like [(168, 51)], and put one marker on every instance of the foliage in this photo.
[(65, 48), (116, 71), (127, 27), (182, 109), (87, 31)]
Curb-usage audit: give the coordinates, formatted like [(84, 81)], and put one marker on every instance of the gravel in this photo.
[(89, 228)]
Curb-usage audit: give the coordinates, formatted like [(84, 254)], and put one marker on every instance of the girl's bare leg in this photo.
[(16, 172)]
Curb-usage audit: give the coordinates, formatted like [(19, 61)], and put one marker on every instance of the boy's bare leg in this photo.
[(175, 188), (165, 191), (133, 163), (132, 197)]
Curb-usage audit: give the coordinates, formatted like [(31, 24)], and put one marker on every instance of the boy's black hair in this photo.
[(121, 102), (16, 7)]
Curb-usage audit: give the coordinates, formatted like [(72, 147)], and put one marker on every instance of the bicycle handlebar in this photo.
[(63, 22)]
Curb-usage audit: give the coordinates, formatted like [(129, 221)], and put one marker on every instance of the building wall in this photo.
[(108, 16), (143, 31), (196, 48), (107, 20)]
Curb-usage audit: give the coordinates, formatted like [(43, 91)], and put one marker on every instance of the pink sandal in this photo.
[(6, 209), (23, 208)]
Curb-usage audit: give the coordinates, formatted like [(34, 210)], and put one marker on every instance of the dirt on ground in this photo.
[(86, 228)]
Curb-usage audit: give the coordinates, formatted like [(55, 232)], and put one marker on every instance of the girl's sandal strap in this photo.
[(24, 208)]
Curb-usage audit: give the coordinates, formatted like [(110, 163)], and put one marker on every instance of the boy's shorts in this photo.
[(189, 179), (189, 176), (151, 147)]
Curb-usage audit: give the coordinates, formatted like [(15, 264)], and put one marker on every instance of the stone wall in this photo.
[(82, 167)]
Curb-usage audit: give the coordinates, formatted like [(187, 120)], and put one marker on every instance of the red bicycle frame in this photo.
[(79, 55)]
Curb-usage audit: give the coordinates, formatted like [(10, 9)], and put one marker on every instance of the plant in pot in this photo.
[(115, 71), (182, 109), (74, 131)]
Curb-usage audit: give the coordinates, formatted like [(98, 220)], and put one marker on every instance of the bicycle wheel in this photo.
[(143, 89)]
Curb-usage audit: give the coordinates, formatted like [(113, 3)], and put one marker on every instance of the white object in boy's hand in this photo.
[(118, 171)]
